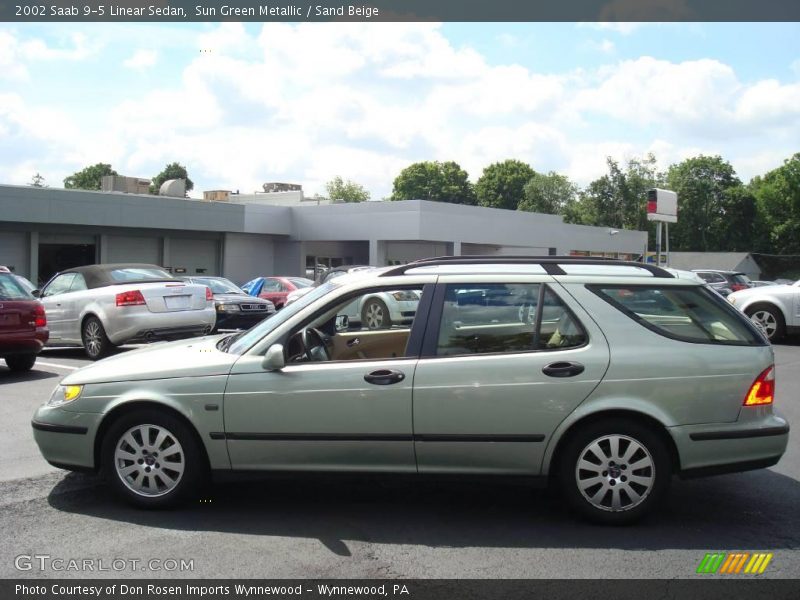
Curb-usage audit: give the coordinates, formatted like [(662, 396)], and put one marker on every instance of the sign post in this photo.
[(662, 207)]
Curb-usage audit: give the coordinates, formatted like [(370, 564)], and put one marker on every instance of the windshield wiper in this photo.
[(225, 343)]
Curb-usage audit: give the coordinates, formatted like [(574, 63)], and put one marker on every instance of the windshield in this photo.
[(219, 286), (252, 336), (10, 289), (301, 282)]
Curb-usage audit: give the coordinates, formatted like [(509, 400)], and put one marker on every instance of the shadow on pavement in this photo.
[(756, 510), (9, 376)]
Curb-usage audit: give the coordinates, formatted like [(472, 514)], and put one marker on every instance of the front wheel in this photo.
[(152, 460), (375, 315), (614, 471), (95, 341), (21, 362), (770, 320)]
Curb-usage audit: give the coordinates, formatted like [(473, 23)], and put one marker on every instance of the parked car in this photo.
[(773, 307), (236, 309), (23, 324), (724, 282), (605, 391), (102, 306), (275, 289)]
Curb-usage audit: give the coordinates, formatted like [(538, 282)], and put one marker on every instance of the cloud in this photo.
[(141, 59)]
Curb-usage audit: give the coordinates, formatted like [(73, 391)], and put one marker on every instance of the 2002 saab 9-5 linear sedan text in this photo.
[(605, 377)]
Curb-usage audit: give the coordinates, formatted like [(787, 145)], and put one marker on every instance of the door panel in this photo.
[(319, 416)]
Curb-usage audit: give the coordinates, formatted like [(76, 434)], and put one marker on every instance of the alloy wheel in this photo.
[(615, 473), (92, 337), (149, 460), (375, 315), (767, 321)]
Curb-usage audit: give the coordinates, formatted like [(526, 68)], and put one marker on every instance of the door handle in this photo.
[(563, 369), (384, 377)]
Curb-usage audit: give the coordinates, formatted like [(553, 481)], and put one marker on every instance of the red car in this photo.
[(275, 289), (23, 326)]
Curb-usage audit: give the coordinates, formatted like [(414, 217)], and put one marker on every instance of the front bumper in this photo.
[(66, 439), (241, 320), (756, 440)]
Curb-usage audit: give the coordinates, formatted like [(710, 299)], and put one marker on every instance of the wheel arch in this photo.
[(767, 303), (553, 455), (125, 408)]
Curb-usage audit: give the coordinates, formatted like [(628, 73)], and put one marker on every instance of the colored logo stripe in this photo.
[(733, 563)]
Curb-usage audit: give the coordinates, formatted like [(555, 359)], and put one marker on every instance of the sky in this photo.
[(243, 104)]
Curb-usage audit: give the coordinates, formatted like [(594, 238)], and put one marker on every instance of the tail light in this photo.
[(209, 295), (763, 389), (40, 318), (132, 298), (738, 286)]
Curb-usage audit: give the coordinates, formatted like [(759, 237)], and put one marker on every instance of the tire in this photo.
[(94, 338), (375, 315), (162, 481), (770, 319), (21, 362), (590, 491)]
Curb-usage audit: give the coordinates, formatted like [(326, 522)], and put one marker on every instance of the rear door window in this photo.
[(691, 314)]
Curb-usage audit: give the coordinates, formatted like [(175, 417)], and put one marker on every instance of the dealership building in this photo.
[(45, 230)]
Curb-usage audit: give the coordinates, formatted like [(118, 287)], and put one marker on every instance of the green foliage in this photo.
[(37, 181), (171, 171), (89, 178), (704, 186), (502, 184), (433, 180), (549, 193), (346, 191), (777, 196)]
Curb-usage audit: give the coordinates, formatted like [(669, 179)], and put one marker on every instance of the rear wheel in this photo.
[(95, 341), (770, 319), (152, 460), (21, 362), (614, 471)]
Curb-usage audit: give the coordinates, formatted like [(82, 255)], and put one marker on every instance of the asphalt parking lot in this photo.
[(367, 526)]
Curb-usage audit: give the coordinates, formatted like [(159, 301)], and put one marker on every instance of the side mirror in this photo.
[(342, 323), (274, 359), (36, 293)]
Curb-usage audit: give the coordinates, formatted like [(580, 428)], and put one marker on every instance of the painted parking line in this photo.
[(56, 365)]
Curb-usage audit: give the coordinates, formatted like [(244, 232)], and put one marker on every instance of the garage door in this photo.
[(133, 249), (197, 257)]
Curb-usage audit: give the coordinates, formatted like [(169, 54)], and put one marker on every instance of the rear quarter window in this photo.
[(691, 314)]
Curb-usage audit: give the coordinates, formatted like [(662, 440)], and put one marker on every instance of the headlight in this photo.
[(64, 393), (731, 299), (405, 296), (228, 307)]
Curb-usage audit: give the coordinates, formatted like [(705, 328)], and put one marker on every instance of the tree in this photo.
[(433, 180), (171, 171), (777, 196), (705, 199), (37, 181), (549, 193), (89, 178), (502, 184), (346, 191)]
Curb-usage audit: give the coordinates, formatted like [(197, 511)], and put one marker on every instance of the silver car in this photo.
[(102, 306), (604, 378)]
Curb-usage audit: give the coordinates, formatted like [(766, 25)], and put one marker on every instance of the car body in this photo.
[(620, 377), (23, 324), (102, 306), (724, 282), (236, 309), (275, 289), (758, 283), (775, 307)]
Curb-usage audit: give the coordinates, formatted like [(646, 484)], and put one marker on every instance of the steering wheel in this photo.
[(314, 344)]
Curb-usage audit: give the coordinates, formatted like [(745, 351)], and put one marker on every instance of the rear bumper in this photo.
[(23, 342), (756, 441), (122, 328)]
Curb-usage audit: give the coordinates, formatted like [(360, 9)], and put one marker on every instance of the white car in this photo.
[(102, 306), (776, 308)]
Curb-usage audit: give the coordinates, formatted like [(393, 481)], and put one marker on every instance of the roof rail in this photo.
[(550, 263)]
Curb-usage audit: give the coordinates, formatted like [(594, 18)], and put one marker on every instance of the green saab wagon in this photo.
[(603, 377)]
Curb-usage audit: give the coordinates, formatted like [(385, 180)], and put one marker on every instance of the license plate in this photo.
[(9, 319), (177, 302)]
